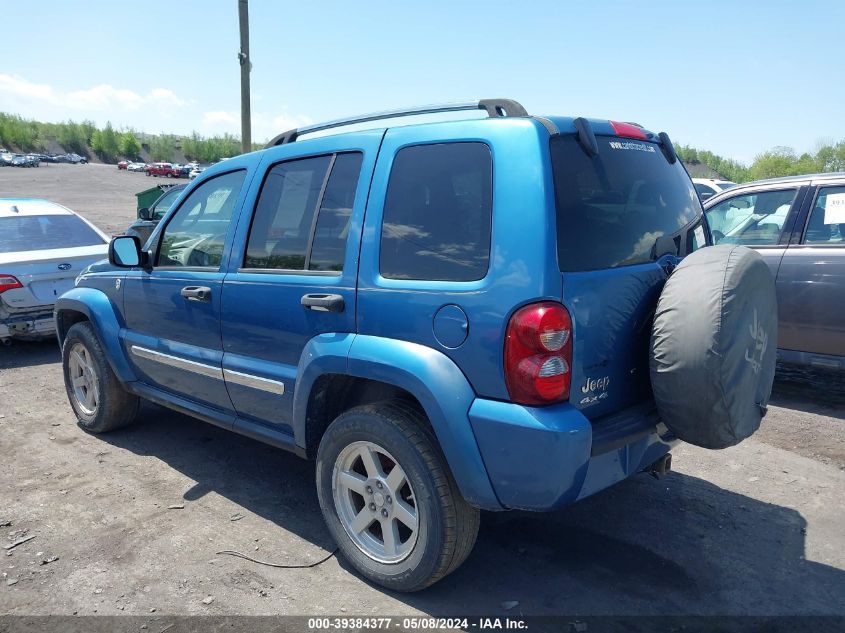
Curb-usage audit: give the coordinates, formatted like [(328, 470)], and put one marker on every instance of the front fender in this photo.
[(430, 376), (97, 307)]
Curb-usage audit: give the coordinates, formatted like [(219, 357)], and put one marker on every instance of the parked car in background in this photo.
[(72, 158), (708, 187), (24, 160), (136, 167), (123, 164), (6, 158), (195, 171), (47, 158), (149, 218), (163, 169), (798, 225), (43, 247)]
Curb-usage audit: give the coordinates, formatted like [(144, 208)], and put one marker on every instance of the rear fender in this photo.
[(98, 309), (430, 376)]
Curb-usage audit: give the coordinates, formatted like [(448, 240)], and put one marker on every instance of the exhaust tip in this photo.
[(661, 466)]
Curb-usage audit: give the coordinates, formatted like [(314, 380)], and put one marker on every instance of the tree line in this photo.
[(110, 145)]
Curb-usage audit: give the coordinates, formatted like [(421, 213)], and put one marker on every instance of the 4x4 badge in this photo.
[(595, 384), (117, 284)]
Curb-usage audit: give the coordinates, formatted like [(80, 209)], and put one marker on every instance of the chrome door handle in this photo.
[(196, 293)]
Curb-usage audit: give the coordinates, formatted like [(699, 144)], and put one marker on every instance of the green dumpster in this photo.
[(148, 196)]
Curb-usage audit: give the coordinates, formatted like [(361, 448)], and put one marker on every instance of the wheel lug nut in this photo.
[(379, 485), (370, 489), (389, 500), (384, 513), (373, 507)]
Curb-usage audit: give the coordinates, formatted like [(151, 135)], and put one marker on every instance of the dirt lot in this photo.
[(137, 517)]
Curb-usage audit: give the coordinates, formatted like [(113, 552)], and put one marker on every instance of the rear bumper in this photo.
[(27, 326), (541, 458)]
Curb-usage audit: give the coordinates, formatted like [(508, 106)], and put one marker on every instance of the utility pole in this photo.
[(246, 67)]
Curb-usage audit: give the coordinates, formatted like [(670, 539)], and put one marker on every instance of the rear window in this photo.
[(44, 232), (613, 210)]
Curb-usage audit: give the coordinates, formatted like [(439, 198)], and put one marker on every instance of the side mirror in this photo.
[(145, 214), (125, 251)]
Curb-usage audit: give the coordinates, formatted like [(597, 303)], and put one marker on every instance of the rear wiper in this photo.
[(586, 136), (667, 148)]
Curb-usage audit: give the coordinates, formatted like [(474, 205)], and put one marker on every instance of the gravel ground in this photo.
[(131, 522)]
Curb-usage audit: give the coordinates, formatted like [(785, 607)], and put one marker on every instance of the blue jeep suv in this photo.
[(448, 316)]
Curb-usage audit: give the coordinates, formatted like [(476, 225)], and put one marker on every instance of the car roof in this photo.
[(30, 206), (838, 175)]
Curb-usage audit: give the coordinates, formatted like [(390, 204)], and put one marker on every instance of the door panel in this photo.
[(811, 282), (172, 313), (287, 251)]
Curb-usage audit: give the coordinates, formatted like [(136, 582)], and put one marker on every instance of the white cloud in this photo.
[(98, 98)]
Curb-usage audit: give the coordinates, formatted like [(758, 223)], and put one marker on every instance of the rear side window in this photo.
[(303, 213), (827, 219), (44, 232), (437, 213), (756, 219), (625, 206)]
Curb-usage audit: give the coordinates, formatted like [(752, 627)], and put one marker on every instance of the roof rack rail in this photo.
[(494, 107)]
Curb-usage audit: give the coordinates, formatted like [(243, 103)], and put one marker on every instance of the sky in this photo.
[(736, 78)]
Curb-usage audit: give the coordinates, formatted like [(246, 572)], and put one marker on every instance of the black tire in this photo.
[(116, 407), (448, 525)]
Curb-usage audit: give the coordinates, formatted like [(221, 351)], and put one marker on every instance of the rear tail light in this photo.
[(538, 354), (628, 130), (8, 282)]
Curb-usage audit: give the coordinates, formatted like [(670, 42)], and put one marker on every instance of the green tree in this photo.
[(161, 148), (129, 145), (105, 143), (72, 138)]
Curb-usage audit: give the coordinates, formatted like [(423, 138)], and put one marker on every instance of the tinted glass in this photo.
[(43, 232), (725, 185), (703, 190), (330, 236), (437, 213), (755, 219), (164, 203), (281, 227), (827, 219), (196, 233), (613, 209)]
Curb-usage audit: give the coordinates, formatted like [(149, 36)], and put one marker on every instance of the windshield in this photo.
[(44, 232), (164, 203), (613, 209)]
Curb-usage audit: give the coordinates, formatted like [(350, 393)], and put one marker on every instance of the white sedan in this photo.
[(43, 247)]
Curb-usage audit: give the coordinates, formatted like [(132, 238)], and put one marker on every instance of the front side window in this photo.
[(303, 214), (196, 234), (827, 219), (437, 213), (755, 219)]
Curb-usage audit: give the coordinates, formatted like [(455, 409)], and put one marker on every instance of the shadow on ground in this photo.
[(810, 390), (679, 545), (29, 354)]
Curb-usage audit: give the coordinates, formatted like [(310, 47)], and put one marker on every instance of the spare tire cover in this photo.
[(713, 346)]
